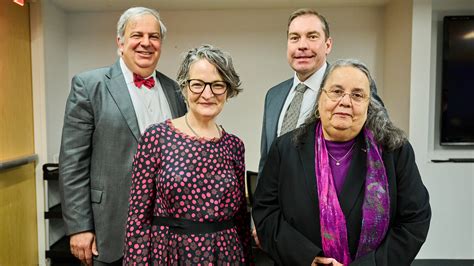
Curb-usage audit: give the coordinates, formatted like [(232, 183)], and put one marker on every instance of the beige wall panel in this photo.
[(18, 232), (16, 107), (397, 67)]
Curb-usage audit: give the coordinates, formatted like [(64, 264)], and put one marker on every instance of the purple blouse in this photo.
[(341, 151)]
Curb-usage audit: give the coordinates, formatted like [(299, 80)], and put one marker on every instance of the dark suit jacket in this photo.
[(286, 208), (274, 101), (100, 136)]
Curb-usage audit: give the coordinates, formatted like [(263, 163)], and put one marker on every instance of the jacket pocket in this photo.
[(96, 196)]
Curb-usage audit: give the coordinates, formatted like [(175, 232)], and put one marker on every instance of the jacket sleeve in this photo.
[(284, 244), (75, 160), (408, 232), (142, 200), (263, 142)]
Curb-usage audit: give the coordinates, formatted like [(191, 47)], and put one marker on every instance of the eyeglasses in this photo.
[(197, 86), (338, 94)]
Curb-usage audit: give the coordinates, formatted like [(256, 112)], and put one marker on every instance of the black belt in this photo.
[(184, 226)]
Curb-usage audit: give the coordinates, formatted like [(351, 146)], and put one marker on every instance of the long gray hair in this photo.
[(137, 12), (385, 132), (222, 61)]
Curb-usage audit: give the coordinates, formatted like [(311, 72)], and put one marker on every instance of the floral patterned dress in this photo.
[(176, 175)]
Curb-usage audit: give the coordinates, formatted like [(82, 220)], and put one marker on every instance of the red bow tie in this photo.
[(139, 81)]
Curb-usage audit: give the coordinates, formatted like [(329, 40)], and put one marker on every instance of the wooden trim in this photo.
[(37, 9)]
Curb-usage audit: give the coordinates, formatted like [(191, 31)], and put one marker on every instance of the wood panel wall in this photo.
[(18, 229)]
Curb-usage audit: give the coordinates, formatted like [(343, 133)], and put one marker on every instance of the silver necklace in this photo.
[(194, 132), (338, 162)]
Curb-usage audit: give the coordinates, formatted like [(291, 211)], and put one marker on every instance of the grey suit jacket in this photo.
[(99, 139)]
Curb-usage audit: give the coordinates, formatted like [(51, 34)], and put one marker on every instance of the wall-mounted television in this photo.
[(457, 88)]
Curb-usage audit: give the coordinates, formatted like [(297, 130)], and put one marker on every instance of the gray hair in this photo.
[(385, 132), (137, 12), (221, 60), (309, 11)]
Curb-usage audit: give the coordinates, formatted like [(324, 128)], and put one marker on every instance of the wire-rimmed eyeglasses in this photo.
[(355, 96)]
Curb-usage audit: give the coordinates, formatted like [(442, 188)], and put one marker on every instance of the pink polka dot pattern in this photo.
[(176, 175)]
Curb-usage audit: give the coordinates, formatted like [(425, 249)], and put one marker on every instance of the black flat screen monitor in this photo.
[(457, 91)]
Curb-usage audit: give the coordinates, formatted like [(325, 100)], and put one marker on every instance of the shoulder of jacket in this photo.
[(93, 73), (287, 82), (165, 77)]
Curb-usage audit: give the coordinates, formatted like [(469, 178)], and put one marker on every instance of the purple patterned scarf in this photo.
[(375, 208)]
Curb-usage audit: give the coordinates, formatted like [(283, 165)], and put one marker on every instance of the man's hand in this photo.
[(255, 237), (325, 261), (83, 246)]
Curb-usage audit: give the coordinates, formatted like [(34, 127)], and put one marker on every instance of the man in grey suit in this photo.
[(106, 112)]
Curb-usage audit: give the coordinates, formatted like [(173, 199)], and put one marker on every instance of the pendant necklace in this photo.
[(194, 132), (338, 161)]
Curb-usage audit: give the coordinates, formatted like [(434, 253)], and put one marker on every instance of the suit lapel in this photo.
[(118, 89), (355, 178), (169, 90), (306, 153), (275, 108)]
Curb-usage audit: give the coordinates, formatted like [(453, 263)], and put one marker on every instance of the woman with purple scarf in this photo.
[(344, 188)]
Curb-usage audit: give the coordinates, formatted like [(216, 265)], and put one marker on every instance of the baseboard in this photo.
[(443, 263)]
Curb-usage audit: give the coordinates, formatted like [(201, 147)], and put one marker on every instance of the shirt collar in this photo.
[(314, 81), (128, 74)]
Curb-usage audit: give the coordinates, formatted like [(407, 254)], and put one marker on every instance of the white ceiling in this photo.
[(120, 5)]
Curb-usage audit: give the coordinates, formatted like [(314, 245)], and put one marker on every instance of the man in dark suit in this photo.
[(106, 112), (286, 105), (308, 45)]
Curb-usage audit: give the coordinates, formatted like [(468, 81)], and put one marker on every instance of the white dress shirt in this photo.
[(150, 105), (309, 97)]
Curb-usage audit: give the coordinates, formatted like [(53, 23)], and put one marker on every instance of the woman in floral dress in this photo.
[(187, 199)]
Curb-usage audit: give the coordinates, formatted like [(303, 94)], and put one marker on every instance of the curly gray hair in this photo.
[(221, 60), (385, 132)]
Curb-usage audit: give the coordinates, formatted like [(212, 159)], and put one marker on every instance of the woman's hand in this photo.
[(325, 261)]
